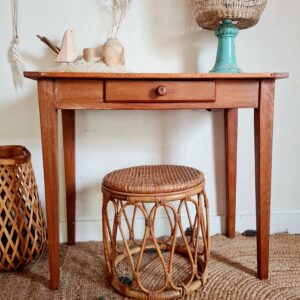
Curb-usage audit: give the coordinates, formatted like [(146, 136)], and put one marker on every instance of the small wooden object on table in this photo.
[(112, 91), (143, 195)]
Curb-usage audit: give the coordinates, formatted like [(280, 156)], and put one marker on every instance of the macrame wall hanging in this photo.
[(16, 59)]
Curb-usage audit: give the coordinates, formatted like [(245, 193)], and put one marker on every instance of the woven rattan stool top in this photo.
[(153, 179)]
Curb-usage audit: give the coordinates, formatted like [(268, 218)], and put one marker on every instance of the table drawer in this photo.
[(81, 93), (159, 91)]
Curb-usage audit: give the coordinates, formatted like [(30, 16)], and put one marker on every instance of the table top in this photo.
[(152, 76)]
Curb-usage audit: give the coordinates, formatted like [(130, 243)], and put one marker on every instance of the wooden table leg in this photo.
[(49, 130), (263, 120), (68, 123), (231, 132)]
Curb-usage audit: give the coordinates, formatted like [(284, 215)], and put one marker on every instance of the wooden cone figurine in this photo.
[(67, 51)]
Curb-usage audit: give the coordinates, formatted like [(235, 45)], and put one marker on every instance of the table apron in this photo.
[(87, 94)]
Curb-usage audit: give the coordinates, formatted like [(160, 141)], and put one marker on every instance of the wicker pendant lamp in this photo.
[(226, 17)]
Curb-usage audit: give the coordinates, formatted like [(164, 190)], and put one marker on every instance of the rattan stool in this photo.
[(148, 266)]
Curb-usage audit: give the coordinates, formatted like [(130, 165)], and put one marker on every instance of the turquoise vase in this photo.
[(226, 58)]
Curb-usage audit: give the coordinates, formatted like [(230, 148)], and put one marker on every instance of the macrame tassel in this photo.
[(17, 64), (15, 55)]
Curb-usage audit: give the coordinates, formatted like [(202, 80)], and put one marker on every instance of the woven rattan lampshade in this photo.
[(22, 225), (246, 13)]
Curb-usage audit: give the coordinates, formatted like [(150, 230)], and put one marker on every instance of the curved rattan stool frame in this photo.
[(188, 247)]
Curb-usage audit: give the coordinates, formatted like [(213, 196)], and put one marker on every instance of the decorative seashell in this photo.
[(113, 53), (67, 51)]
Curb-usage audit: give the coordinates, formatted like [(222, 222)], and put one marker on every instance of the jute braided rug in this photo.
[(231, 276)]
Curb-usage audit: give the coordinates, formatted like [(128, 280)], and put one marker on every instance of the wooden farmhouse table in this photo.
[(110, 91)]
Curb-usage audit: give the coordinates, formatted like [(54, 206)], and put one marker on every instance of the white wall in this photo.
[(160, 36)]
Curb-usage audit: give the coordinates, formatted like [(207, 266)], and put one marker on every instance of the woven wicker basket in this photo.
[(209, 13), (22, 226)]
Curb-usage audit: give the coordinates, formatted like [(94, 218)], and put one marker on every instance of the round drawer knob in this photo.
[(162, 90)]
